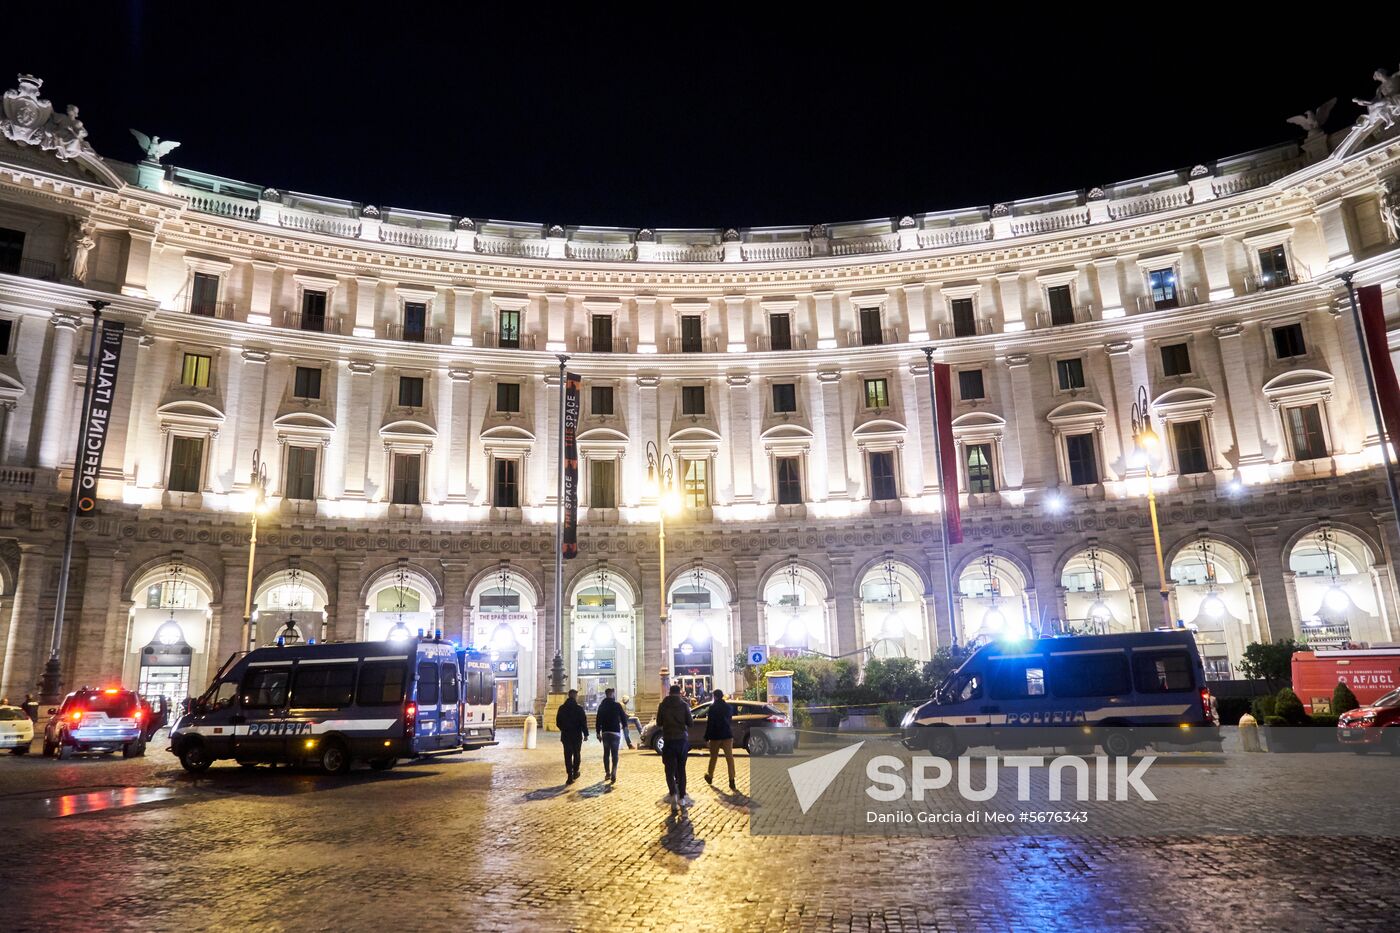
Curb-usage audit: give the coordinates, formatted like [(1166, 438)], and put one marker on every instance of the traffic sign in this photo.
[(758, 655)]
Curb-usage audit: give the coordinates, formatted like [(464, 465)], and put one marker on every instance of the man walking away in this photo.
[(611, 726), (674, 719), (719, 734), (572, 723)]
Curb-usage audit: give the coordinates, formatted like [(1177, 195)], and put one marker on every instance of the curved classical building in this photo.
[(397, 373)]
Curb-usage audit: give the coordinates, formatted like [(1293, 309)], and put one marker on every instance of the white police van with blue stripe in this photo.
[(332, 705), (1112, 687)]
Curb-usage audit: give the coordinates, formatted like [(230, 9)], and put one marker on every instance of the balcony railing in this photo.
[(1271, 280), (31, 269), (868, 337), (980, 327), (1183, 298), (222, 310), (499, 341), (692, 345), (590, 344), (793, 342), (424, 334), (1080, 314), (314, 323), (16, 477)]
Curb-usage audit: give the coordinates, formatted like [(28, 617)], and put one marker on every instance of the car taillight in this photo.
[(410, 719), (137, 715), (1208, 706), (777, 720), (77, 714)]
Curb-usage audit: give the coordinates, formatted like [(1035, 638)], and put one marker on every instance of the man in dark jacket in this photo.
[(611, 725), (719, 735), (674, 719), (572, 723)]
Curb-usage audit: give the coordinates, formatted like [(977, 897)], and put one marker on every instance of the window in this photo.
[(964, 317), (870, 327), (882, 484), (194, 371), (691, 340), (1305, 432), (204, 294), (1070, 374), (427, 683), (510, 328), (7, 330), (301, 473), (408, 469), (265, 687), (780, 331), (411, 391), (324, 686), (1189, 440), (978, 458), (1288, 341), (313, 311), (695, 487), (601, 400), (1017, 678), (307, 382), (970, 385), (1273, 267), (1061, 305), (602, 333), (451, 694), (1083, 464), (1176, 360), (1090, 675), (186, 464), (602, 484), (1162, 283), (784, 397), (1162, 671), (505, 489), (11, 250), (381, 683), (692, 400), (415, 321), (507, 396), (789, 481), (877, 393)]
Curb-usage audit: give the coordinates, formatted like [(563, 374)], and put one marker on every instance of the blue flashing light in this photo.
[(311, 641)]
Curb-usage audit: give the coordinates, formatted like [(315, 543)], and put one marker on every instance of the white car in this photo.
[(16, 730)]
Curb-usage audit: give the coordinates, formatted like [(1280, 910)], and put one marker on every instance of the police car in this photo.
[(1110, 686), (331, 705)]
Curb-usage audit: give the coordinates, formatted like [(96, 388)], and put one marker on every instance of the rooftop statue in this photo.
[(1311, 121), (30, 121), (153, 146), (1385, 108)]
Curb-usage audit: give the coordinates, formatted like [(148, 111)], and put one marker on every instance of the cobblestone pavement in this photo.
[(492, 840)]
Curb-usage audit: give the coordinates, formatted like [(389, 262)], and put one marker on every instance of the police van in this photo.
[(332, 705), (1109, 686)]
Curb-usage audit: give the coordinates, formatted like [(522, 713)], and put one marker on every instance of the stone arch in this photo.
[(148, 567), (796, 606), (1074, 550), (1244, 549), (780, 564), (580, 577), (308, 567), (373, 578), (893, 623), (921, 572), (1021, 566), (482, 578)]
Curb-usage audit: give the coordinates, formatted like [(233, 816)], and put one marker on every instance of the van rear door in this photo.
[(449, 697), (428, 698)]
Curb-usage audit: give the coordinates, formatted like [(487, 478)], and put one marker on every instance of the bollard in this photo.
[(1249, 734), (529, 737)]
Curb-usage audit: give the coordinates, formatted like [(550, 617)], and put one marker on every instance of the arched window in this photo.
[(1098, 593), (794, 610), (893, 616), (992, 599)]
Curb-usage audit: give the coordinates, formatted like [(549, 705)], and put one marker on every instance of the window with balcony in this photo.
[(509, 321), (602, 333), (1288, 341), (601, 400), (1189, 441), (1176, 359), (1070, 374), (204, 295), (692, 400), (977, 459), (695, 484), (408, 471), (789, 470), (784, 398), (415, 321), (1273, 267), (692, 338), (11, 250), (410, 392), (1162, 283), (964, 317), (602, 484), (877, 393), (780, 331), (1305, 432), (1061, 305), (970, 387), (301, 473), (882, 481), (313, 311), (186, 464), (7, 333), (307, 382), (194, 371), (1082, 459), (507, 397), (870, 334), (505, 485)]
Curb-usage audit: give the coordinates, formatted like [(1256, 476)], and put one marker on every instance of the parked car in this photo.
[(1373, 726), (97, 721), (759, 728), (16, 730)]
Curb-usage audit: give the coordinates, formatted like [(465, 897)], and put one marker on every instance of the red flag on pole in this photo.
[(947, 450), (1382, 369)]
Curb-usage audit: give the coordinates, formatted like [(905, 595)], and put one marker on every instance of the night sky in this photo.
[(727, 117)]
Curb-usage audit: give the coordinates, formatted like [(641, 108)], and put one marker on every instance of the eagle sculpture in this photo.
[(154, 148)]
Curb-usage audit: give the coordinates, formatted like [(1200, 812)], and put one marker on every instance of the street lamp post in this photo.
[(259, 487), (1147, 440), (661, 477)]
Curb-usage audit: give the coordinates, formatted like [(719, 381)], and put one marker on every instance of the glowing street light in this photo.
[(661, 485), (258, 484), (1147, 439)]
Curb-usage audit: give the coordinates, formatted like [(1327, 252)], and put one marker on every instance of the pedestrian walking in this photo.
[(719, 735), (611, 725), (31, 706), (674, 719), (572, 723)]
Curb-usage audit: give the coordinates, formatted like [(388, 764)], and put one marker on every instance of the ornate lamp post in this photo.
[(661, 484), (1147, 440), (258, 483)]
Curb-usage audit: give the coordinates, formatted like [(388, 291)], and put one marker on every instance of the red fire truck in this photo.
[(1370, 673)]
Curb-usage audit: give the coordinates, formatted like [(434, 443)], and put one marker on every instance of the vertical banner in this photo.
[(947, 449), (98, 416), (1382, 369), (571, 410)]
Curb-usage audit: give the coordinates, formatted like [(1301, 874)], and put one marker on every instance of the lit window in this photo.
[(979, 468), (195, 371), (1273, 267), (1070, 374), (1163, 285), (695, 487), (877, 393), (510, 328), (602, 484), (1305, 431)]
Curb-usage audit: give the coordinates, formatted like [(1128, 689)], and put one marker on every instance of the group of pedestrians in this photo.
[(673, 718)]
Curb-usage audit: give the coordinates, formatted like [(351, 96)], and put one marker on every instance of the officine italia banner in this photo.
[(98, 416), (571, 410)]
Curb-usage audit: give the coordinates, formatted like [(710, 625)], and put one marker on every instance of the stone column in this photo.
[(459, 329), (1012, 313), (1125, 385), (346, 613), (54, 436), (837, 482), (366, 288), (353, 421), (1110, 292), (1217, 271), (921, 325), (741, 453), (1274, 583), (18, 676), (1045, 583), (826, 320), (650, 655), (460, 450), (1022, 466), (248, 423), (648, 324), (230, 613), (1334, 220), (87, 636), (1151, 584), (138, 262), (556, 318), (735, 323), (455, 577), (7, 423), (845, 592), (260, 297), (746, 580), (1243, 408)]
